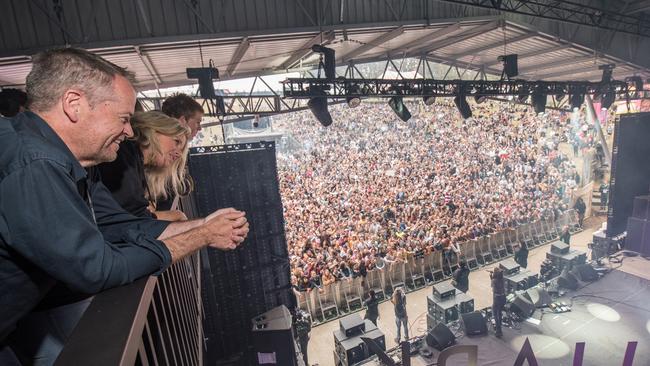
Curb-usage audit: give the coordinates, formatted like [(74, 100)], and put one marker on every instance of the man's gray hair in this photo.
[(57, 70)]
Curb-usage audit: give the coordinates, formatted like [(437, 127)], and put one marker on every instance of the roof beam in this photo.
[(493, 45), (473, 32), (571, 71), (638, 7), (534, 53), (146, 61), (305, 49), (378, 41), (237, 56), (438, 33), (554, 64)]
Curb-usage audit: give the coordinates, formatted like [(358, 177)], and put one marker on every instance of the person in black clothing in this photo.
[(373, 307), (461, 277), (498, 298), (149, 165), (12, 102), (302, 327), (521, 256), (565, 235)]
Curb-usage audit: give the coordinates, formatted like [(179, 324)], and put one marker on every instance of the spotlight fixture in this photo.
[(539, 99), (429, 100), (463, 107), (397, 105), (355, 100), (480, 99), (318, 106)]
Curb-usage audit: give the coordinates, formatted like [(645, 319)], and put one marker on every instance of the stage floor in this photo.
[(605, 315), (557, 338)]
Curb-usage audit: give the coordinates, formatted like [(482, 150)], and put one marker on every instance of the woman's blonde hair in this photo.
[(161, 182)]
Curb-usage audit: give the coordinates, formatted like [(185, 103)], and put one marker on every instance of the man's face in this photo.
[(107, 123), (194, 123)]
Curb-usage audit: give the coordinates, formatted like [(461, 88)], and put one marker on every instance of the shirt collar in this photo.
[(38, 125)]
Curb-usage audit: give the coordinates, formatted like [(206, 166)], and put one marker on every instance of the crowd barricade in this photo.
[(483, 248), (574, 220), (305, 303), (352, 294), (395, 274), (415, 271), (539, 237), (375, 281), (526, 235), (497, 245), (468, 249), (549, 227), (510, 240), (437, 272), (327, 297)]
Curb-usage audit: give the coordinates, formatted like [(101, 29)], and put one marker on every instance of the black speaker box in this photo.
[(522, 307), (474, 323), (568, 280), (440, 337), (443, 290), (352, 325), (641, 208), (509, 266), (559, 248), (585, 273), (275, 313), (274, 336), (510, 66), (465, 303), (638, 236), (538, 296)]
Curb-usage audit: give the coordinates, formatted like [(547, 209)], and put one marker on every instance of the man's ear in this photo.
[(72, 101), (183, 121)]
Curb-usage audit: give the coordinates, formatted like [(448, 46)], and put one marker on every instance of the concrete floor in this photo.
[(321, 345)]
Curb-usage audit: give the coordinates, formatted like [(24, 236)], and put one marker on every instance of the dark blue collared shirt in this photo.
[(59, 224)]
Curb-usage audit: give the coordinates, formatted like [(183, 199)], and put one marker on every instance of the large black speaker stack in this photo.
[(349, 347), (240, 284), (630, 178), (638, 226), (562, 256)]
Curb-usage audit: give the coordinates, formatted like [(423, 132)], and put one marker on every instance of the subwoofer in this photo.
[(440, 337), (474, 324), (568, 280), (522, 307), (538, 296)]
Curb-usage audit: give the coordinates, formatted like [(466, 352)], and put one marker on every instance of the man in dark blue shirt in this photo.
[(59, 225)]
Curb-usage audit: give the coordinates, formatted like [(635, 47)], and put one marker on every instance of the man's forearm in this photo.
[(187, 242), (179, 227)]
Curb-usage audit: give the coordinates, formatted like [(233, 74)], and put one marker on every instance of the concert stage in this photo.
[(605, 315)]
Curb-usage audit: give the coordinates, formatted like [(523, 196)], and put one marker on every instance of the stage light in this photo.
[(429, 100), (318, 106), (480, 99), (355, 100), (463, 107), (539, 99), (397, 105)]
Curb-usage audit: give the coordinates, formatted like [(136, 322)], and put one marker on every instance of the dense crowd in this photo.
[(372, 186)]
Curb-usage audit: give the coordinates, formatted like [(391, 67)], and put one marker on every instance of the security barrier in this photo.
[(416, 271)]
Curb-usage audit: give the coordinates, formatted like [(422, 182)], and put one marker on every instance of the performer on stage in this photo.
[(498, 298), (372, 305), (401, 318), (521, 256)]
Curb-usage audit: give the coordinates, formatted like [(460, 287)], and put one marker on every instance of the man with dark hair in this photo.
[(12, 102), (60, 226), (521, 256), (372, 306), (186, 109)]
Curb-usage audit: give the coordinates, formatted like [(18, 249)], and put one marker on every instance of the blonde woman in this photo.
[(149, 166)]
